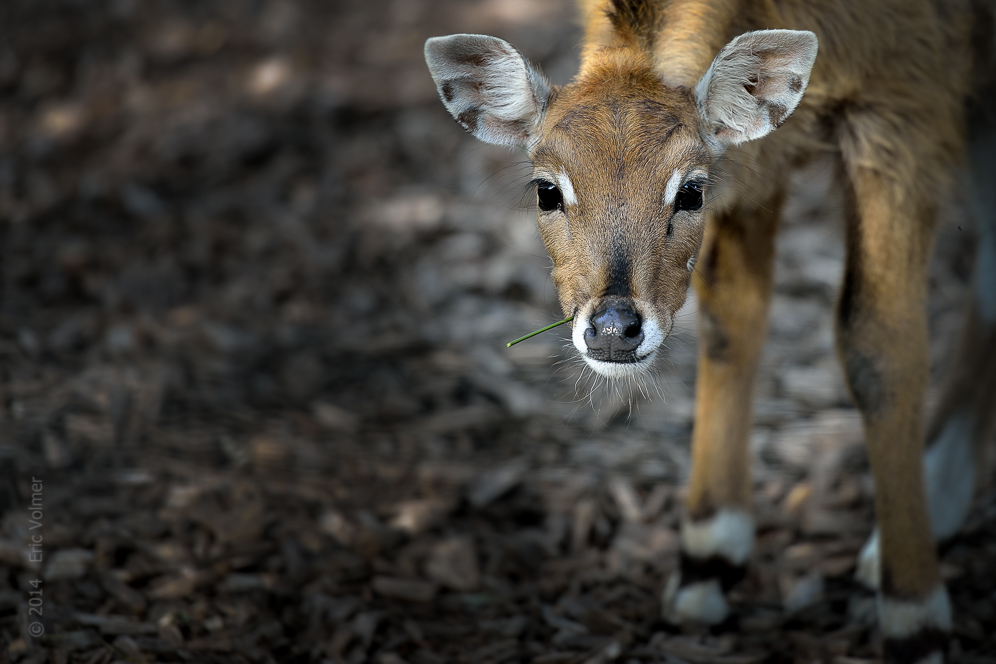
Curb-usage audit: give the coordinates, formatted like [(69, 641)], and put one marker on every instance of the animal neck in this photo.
[(681, 36), (691, 34)]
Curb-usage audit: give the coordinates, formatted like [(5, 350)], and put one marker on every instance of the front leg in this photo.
[(733, 284)]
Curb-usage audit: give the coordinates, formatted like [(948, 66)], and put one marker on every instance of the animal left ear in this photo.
[(488, 87), (754, 84)]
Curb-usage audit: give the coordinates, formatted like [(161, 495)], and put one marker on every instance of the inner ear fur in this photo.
[(488, 87), (754, 84)]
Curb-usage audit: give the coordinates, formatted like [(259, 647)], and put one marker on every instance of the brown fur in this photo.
[(885, 94), (733, 282), (886, 97)]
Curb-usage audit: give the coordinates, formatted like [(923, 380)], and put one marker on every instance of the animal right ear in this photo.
[(754, 84), (488, 87)]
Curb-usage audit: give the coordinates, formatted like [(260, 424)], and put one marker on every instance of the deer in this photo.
[(900, 96)]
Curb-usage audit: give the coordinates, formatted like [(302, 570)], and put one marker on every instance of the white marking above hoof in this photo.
[(869, 570), (697, 603), (900, 619), (730, 534)]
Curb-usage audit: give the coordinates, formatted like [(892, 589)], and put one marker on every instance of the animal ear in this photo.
[(754, 84), (488, 87)]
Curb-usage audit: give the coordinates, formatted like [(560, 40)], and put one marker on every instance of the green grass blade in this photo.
[(542, 329)]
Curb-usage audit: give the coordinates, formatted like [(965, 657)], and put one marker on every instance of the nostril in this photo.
[(614, 334)]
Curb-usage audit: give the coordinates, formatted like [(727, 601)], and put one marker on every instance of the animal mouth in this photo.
[(620, 358), (628, 368)]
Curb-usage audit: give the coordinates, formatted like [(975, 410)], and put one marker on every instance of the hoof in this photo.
[(701, 603), (915, 632)]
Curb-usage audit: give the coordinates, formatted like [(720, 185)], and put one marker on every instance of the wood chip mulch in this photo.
[(255, 404)]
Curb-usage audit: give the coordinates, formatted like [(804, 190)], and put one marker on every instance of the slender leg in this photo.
[(882, 342), (958, 432), (733, 284), (965, 415)]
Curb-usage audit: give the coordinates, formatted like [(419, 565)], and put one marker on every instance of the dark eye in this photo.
[(549, 196), (689, 197)]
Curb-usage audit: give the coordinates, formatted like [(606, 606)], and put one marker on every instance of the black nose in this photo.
[(614, 334)]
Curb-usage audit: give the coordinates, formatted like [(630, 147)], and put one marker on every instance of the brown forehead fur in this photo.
[(620, 114)]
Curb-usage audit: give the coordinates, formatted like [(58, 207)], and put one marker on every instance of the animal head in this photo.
[(621, 163)]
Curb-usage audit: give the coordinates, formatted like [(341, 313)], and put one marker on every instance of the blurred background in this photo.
[(256, 290)]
